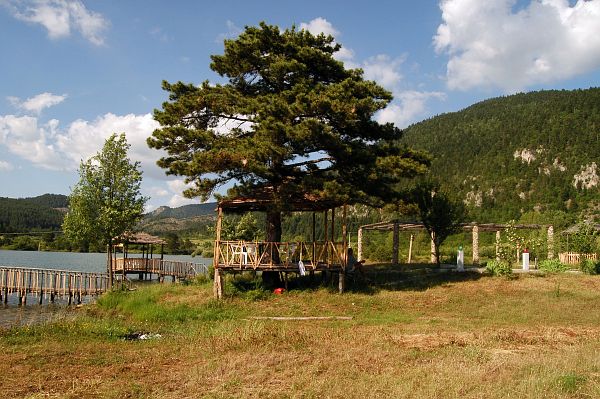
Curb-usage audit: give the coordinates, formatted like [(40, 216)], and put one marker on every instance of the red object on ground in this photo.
[(278, 291)]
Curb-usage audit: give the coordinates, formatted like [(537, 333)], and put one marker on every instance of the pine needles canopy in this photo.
[(290, 122)]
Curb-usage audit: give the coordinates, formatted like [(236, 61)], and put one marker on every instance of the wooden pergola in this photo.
[(300, 257), (396, 226)]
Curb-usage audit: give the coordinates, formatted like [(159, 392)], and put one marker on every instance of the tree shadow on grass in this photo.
[(381, 277)]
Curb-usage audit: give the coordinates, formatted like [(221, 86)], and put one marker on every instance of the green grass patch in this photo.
[(147, 304)]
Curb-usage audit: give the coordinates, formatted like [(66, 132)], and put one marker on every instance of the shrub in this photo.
[(589, 266), (553, 266), (499, 268)]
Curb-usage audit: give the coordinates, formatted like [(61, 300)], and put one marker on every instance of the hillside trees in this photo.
[(289, 120), (479, 152), (106, 202)]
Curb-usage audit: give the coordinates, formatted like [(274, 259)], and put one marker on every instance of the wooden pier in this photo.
[(50, 284)]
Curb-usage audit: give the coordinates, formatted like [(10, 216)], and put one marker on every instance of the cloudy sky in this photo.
[(73, 72)]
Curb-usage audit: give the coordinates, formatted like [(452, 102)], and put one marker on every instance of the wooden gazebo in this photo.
[(141, 265), (299, 257)]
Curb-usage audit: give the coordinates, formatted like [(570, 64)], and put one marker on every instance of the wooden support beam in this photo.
[(217, 288), (395, 245)]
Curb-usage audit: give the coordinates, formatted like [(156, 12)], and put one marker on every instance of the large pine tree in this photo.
[(289, 120)]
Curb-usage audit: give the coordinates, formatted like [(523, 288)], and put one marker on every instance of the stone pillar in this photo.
[(395, 245), (359, 254), (498, 245), (410, 245), (475, 245), (550, 242)]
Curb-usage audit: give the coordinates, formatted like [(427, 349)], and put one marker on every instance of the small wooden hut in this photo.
[(300, 257)]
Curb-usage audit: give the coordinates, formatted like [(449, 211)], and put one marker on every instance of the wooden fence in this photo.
[(159, 267), (574, 258), (49, 284)]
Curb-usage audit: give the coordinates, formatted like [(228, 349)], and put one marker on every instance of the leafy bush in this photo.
[(499, 268), (553, 266), (589, 266)]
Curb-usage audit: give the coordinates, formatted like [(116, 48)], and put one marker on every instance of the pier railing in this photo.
[(160, 267), (49, 283)]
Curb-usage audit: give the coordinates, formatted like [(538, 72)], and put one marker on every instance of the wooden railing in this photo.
[(279, 255), (49, 283), (160, 267), (574, 258)]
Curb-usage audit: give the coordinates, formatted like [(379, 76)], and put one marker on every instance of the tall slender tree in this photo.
[(107, 201), (290, 119)]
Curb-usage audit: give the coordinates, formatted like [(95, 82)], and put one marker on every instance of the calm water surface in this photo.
[(11, 315)]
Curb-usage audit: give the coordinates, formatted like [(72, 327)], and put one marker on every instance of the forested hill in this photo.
[(512, 155), (32, 214)]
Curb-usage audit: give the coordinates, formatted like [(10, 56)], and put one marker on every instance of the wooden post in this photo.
[(109, 263), (333, 225), (314, 241), (433, 257), (41, 287), (550, 242), (218, 288), (410, 246), (342, 281), (475, 245), (359, 252), (326, 231), (395, 245)]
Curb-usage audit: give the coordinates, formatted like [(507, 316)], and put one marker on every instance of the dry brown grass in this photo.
[(529, 337)]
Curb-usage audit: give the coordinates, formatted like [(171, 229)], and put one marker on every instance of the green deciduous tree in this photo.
[(289, 120), (440, 215), (106, 202)]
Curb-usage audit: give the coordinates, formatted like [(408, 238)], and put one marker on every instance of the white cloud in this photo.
[(5, 166), (60, 17), (383, 69), (155, 191), (320, 25), (50, 147), (492, 45), (177, 187), (233, 31), (407, 107), (37, 103)]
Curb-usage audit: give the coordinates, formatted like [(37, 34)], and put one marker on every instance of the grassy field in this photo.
[(443, 336)]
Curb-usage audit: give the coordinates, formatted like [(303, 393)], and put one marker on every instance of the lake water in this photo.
[(11, 315), (82, 262)]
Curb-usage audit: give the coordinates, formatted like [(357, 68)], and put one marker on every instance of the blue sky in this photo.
[(73, 72)]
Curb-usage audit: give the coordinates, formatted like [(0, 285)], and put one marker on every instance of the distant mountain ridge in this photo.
[(528, 152), (184, 219), (42, 213), (185, 211)]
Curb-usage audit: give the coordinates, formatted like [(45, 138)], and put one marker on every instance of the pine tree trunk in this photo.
[(270, 278)]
